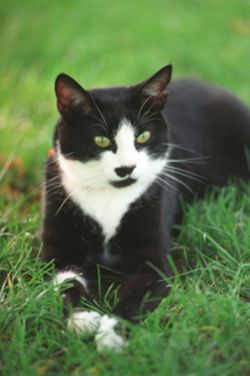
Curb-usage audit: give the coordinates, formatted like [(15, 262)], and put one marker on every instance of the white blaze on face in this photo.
[(127, 155)]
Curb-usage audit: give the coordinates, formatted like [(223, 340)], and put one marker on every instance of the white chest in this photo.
[(106, 206)]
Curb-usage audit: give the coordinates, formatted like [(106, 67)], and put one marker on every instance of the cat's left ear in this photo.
[(153, 92), (70, 95)]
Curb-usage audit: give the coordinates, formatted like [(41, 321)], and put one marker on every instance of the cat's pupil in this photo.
[(143, 137), (102, 141)]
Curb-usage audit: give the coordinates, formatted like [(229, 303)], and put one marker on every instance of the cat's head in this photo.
[(115, 136)]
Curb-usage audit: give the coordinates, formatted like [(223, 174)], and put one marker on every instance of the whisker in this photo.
[(69, 154), (161, 182), (166, 183), (50, 161), (99, 110), (182, 174), (180, 182), (94, 182), (190, 160), (95, 117), (51, 183), (149, 115), (50, 180), (147, 120), (181, 147), (100, 125), (143, 105), (187, 174), (53, 188), (69, 196), (173, 178), (64, 202), (185, 171), (163, 186)]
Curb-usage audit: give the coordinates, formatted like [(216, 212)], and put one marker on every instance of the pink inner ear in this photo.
[(65, 96)]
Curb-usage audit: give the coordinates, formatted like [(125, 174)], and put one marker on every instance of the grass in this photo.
[(203, 326)]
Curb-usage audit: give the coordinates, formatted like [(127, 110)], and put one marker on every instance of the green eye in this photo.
[(102, 142), (143, 137)]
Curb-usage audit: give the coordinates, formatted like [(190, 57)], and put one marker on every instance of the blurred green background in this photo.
[(108, 43)]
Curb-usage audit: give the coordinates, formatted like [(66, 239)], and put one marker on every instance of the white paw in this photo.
[(68, 275), (84, 322), (106, 337)]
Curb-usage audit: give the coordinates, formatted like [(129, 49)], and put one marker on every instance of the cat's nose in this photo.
[(123, 171)]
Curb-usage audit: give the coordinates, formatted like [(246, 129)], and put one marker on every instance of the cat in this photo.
[(123, 157)]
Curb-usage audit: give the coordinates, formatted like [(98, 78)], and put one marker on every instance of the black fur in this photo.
[(208, 131)]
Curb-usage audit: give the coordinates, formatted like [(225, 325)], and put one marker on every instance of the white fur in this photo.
[(126, 154), (106, 337), (84, 322), (88, 184), (67, 275), (90, 323)]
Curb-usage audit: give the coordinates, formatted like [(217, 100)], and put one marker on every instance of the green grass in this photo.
[(203, 326)]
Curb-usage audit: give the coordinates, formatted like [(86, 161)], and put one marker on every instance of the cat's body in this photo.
[(114, 204)]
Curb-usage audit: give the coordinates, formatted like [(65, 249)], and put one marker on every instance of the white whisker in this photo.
[(100, 112), (149, 116), (100, 125), (161, 182), (65, 200), (142, 106), (166, 183), (190, 160), (180, 182), (186, 174), (181, 147)]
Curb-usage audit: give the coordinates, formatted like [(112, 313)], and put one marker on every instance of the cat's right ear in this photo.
[(71, 95), (152, 93)]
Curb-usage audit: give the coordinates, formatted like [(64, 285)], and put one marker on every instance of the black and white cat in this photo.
[(123, 156)]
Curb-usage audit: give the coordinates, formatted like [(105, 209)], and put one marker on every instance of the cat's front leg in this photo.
[(87, 322), (72, 285), (141, 293)]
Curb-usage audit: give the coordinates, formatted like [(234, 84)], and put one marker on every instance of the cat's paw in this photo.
[(84, 322), (74, 291), (68, 275), (90, 323), (106, 337)]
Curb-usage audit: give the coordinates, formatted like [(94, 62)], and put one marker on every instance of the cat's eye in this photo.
[(143, 137), (102, 141)]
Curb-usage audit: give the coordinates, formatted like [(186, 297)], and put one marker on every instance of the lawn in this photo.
[(203, 326)]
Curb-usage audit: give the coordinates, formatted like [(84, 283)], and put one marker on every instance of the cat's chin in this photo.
[(123, 183)]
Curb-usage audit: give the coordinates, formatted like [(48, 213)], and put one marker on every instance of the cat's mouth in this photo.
[(123, 183)]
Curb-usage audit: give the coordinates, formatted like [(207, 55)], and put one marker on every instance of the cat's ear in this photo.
[(71, 95), (153, 92)]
